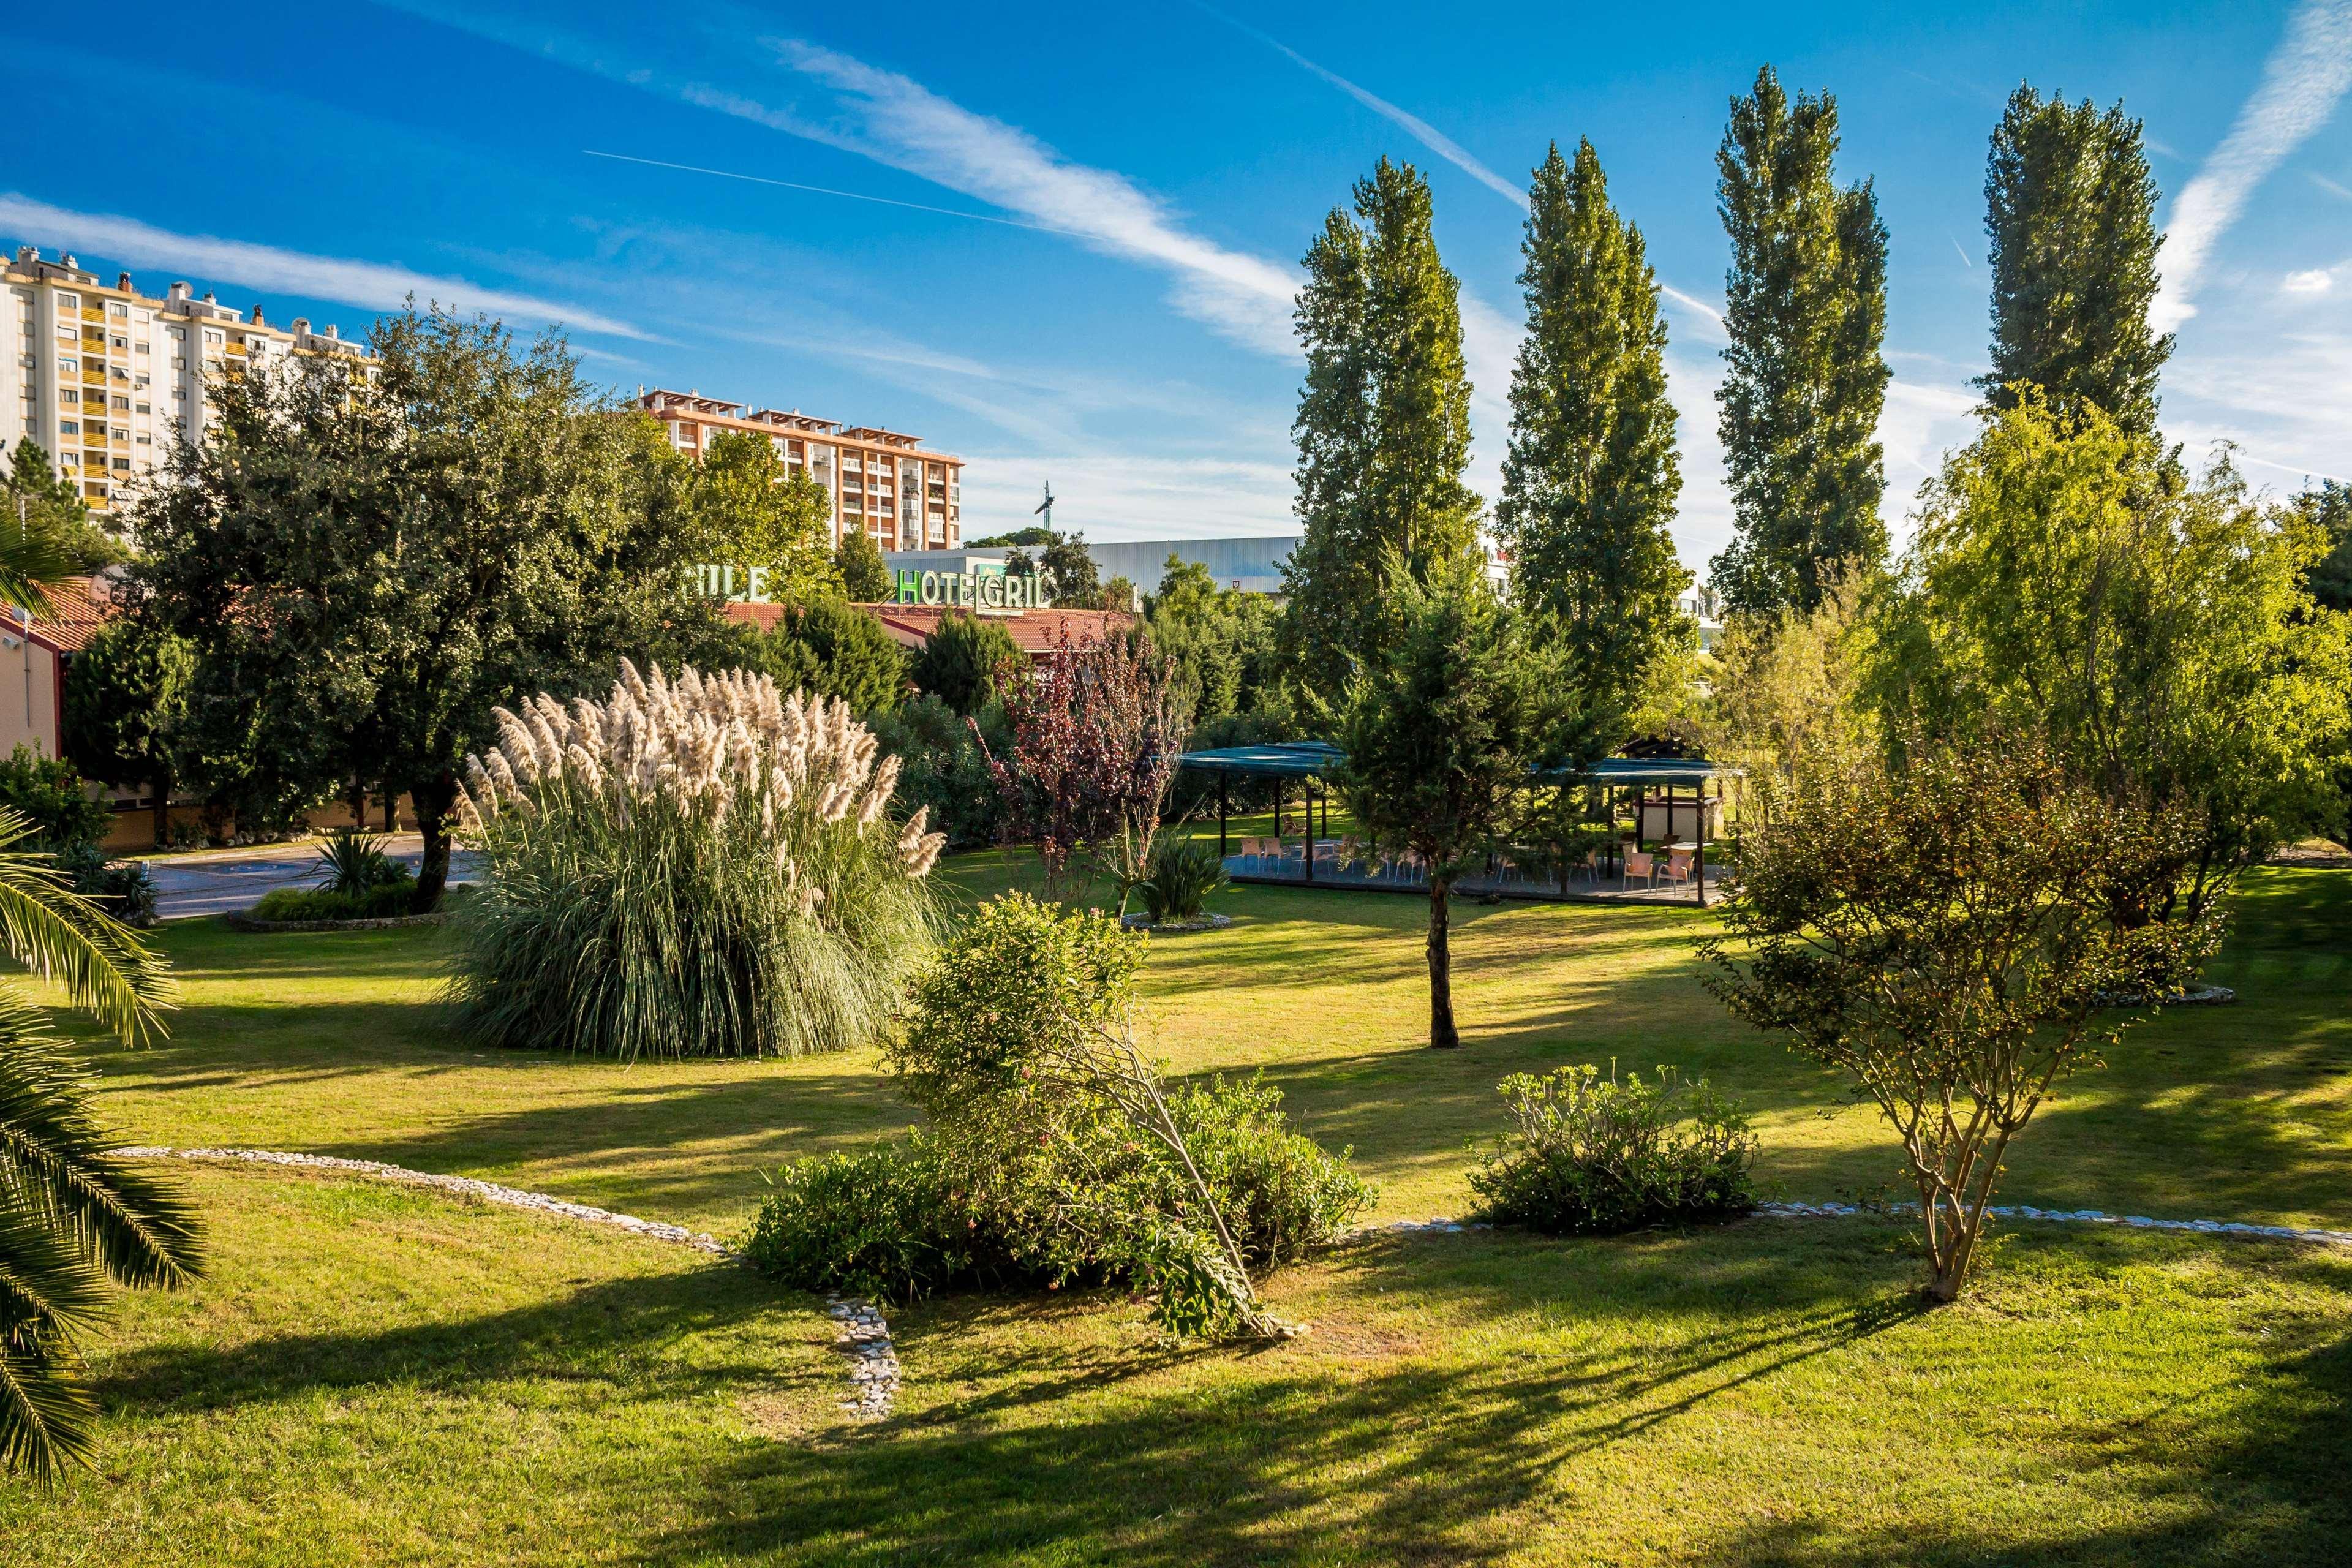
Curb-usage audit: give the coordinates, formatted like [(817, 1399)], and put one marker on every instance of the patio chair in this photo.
[(1638, 864), (1677, 867)]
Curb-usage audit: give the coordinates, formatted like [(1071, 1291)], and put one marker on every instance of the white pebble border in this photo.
[(1441, 1226), (874, 1359)]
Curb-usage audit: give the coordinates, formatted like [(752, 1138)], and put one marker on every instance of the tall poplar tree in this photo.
[(1590, 482), (1383, 426), (2070, 206), (1806, 311)]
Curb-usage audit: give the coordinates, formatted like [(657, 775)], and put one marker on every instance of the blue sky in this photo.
[(1085, 223)]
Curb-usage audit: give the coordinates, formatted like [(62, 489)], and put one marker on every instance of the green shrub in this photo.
[(1183, 873), (1595, 1155), (943, 770), (51, 796), (1039, 1172), (702, 867), (122, 887), (382, 901)]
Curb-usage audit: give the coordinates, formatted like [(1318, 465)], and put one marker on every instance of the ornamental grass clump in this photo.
[(697, 867)]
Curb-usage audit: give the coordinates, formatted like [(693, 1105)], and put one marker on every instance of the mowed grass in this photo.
[(334, 1044), (380, 1375), (372, 1374)]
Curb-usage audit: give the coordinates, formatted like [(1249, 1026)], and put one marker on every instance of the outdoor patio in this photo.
[(1668, 798)]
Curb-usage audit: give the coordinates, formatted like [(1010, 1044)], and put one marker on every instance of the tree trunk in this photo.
[(432, 802), (162, 787), (1442, 1033)]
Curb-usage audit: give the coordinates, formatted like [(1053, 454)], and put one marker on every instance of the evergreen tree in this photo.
[(962, 663), (1806, 310), (2070, 209), (864, 575), (2328, 509), (1590, 482), (47, 511), (1383, 426)]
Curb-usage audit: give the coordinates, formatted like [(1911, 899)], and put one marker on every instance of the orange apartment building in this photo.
[(902, 496)]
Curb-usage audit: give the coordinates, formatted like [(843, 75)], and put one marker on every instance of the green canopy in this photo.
[(1307, 759)]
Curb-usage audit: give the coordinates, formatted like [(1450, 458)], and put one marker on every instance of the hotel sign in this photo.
[(986, 587)]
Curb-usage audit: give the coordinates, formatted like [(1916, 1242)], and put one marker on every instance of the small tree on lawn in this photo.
[(1946, 932), (124, 693), (1440, 730), (1094, 742)]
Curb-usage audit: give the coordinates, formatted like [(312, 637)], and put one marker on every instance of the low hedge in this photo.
[(382, 901)]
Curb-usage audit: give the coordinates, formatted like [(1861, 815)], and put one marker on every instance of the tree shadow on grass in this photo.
[(1289, 1456), (615, 1330)]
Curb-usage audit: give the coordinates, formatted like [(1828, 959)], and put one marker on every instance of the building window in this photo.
[(122, 462), (69, 394), (145, 408), (138, 347), (68, 302), (66, 331), (117, 342), (214, 335), (122, 403), (67, 365), (69, 427)]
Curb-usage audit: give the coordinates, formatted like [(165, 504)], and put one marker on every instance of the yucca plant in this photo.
[(1181, 875), (73, 1214), (703, 867), (352, 861)]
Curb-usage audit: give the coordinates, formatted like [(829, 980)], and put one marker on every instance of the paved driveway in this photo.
[(235, 879)]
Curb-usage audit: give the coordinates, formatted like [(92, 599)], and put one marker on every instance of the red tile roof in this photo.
[(77, 607)]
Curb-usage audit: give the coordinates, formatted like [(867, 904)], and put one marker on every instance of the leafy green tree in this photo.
[(45, 513), (126, 692), (962, 662), (1067, 560), (1383, 424), (1222, 645), (1949, 934), (366, 563), (864, 575), (2071, 208), (2066, 582), (759, 512), (1035, 533), (1590, 478), (2328, 511), (1440, 730), (1806, 311)]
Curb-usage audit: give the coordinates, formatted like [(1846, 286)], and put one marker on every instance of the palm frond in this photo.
[(32, 561), (46, 1413), (55, 1161), (57, 934)]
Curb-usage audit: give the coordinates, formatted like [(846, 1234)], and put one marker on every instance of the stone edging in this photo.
[(865, 1337), (237, 919), (1442, 1226)]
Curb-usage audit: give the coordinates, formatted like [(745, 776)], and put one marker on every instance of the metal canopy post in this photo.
[(1221, 777), (1698, 872), (1310, 825)]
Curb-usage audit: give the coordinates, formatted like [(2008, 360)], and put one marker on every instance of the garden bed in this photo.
[(1176, 928)]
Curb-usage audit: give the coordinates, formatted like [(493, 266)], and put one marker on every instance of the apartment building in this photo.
[(902, 496), (104, 376)]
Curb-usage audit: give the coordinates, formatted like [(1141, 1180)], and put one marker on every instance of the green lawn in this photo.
[(379, 1374)]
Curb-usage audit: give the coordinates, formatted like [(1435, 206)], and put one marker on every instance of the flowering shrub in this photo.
[(1594, 1155), (703, 867)]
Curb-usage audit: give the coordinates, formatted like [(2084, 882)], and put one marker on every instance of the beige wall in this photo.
[(28, 693)]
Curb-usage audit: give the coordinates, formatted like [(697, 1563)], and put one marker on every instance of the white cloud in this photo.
[(2333, 187), (897, 121), (370, 285), (2302, 83), (2317, 280), (1420, 130)]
